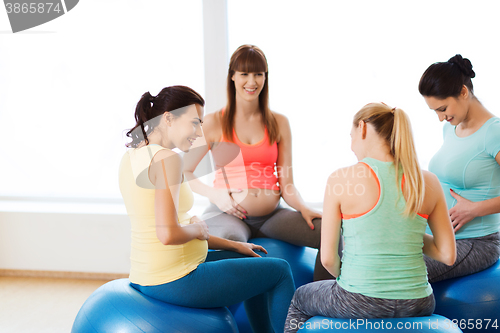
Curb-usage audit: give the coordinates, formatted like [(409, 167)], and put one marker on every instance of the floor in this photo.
[(42, 305)]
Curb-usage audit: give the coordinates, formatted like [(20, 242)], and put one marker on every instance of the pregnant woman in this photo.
[(252, 149), (467, 165), (169, 259)]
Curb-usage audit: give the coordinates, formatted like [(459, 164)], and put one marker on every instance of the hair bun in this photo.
[(464, 64)]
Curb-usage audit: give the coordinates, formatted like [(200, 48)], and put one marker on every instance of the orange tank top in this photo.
[(243, 166)]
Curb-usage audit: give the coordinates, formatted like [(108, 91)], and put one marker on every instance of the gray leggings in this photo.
[(473, 255), (283, 224), (327, 298)]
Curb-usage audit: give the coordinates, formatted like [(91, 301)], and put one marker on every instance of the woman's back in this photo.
[(382, 254)]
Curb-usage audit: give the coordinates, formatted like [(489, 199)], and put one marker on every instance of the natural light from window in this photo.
[(329, 58)]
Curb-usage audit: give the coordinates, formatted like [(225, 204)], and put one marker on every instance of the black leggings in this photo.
[(473, 255)]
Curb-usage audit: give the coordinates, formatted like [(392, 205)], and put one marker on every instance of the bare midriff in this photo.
[(257, 201)]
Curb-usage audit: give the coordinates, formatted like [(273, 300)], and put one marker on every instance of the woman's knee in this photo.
[(228, 227), (317, 224), (300, 296), (290, 226), (281, 266), (232, 232)]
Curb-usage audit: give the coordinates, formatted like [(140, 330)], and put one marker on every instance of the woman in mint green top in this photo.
[(467, 165), (382, 206)]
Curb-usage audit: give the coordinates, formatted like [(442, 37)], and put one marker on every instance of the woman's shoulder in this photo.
[(355, 186), (280, 118), (431, 183), (212, 126), (356, 171), (492, 137), (433, 192), (213, 119), (430, 178), (493, 126), (169, 157), (284, 130), (166, 163)]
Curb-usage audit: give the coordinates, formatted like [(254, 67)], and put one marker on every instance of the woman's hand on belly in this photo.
[(257, 201), (223, 199), (204, 235), (463, 212)]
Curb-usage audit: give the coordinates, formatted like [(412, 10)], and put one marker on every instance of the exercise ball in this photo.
[(434, 323), (117, 307), (301, 260), (472, 301)]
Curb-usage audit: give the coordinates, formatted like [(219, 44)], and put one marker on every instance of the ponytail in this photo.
[(150, 108), (142, 110), (394, 126), (405, 155)]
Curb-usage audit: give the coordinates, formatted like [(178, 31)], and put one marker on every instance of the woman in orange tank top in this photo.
[(251, 147)]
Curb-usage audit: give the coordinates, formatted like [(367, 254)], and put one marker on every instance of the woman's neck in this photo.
[(155, 138), (380, 155), (378, 150), (247, 109), (476, 115)]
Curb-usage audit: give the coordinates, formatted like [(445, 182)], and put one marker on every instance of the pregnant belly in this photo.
[(256, 201)]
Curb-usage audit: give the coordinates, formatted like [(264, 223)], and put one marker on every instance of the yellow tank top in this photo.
[(153, 263)]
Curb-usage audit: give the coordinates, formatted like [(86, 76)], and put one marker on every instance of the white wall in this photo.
[(68, 90), (47, 235), (353, 53), (95, 243), (329, 58)]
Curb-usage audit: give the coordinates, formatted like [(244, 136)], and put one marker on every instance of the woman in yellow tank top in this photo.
[(169, 258)]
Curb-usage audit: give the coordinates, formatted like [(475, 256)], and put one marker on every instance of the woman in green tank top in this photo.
[(381, 206)]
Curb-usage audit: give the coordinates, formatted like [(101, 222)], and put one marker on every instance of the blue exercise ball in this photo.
[(117, 307), (434, 323), (301, 260), (472, 301)]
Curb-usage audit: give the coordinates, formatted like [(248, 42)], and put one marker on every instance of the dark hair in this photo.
[(446, 79), (150, 107), (250, 59)]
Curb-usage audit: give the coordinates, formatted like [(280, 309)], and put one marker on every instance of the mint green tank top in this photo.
[(467, 166), (382, 254)]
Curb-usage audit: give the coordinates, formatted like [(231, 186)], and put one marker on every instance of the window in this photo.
[(68, 91), (68, 88), (327, 59)]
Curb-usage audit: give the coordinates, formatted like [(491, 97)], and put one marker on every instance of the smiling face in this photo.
[(452, 109), (185, 128), (248, 85)]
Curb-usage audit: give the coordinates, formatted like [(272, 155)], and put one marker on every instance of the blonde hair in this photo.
[(393, 125)]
